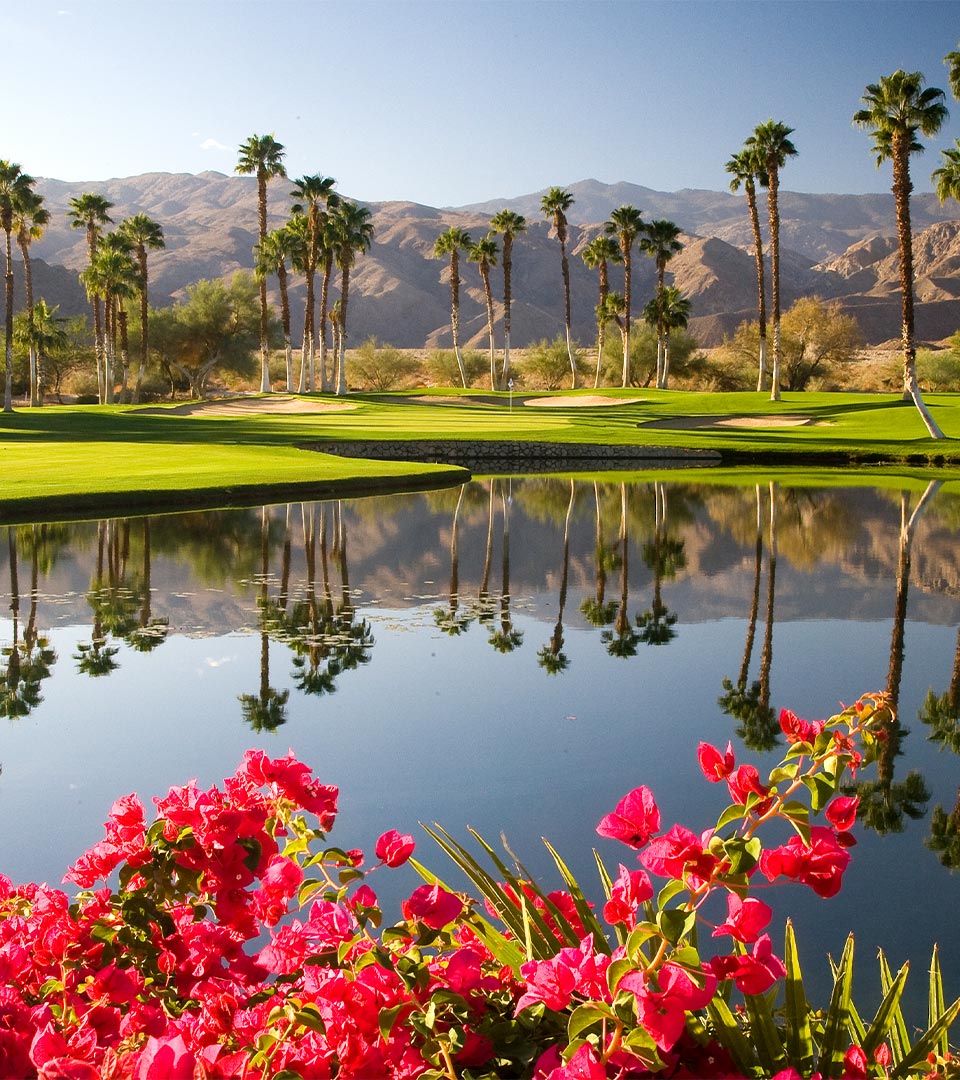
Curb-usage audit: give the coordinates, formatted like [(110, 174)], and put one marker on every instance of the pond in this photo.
[(513, 655)]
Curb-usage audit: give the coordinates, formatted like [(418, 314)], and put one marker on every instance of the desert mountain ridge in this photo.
[(838, 247)]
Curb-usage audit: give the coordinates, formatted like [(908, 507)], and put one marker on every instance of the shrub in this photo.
[(378, 367), (546, 365), (939, 370), (443, 370), (688, 365)]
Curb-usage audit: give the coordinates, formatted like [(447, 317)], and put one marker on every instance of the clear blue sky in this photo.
[(448, 102)]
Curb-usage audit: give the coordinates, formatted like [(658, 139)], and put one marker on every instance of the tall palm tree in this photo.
[(895, 110), (771, 142), (262, 156), (484, 254), (625, 224), (451, 243), (114, 276), (669, 310), (597, 255), (509, 225), (43, 332), (614, 307), (352, 235), (144, 233), (29, 218), (89, 212), (315, 198), (747, 168), (554, 205), (952, 60), (15, 189), (947, 177), (661, 241), (272, 256)]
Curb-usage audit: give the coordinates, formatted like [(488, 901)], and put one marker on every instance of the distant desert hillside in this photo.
[(835, 246)]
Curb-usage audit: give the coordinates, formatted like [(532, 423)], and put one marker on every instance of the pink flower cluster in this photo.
[(217, 942)]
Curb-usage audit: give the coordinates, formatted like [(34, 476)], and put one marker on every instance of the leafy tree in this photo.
[(661, 241), (895, 110), (89, 212), (484, 254), (443, 369), (378, 367), (509, 225), (940, 370), (214, 329), (947, 177), (546, 363), (41, 331), (747, 168), (352, 235), (669, 310), (272, 256), (686, 360), (626, 225), (597, 255), (143, 232), (554, 205), (771, 143), (113, 275), (262, 156), (451, 243)]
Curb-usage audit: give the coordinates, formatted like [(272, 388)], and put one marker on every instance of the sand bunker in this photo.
[(250, 406), (580, 399), (685, 423)]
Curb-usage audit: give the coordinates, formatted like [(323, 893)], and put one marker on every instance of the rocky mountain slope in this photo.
[(835, 246)]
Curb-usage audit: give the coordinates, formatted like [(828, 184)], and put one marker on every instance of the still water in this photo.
[(513, 655)]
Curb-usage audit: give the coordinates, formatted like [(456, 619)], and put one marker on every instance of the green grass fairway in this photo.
[(81, 457)]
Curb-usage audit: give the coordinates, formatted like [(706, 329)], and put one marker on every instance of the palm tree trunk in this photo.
[(342, 343), (766, 653), (144, 317), (324, 299), (625, 331), (455, 311), (309, 334), (35, 396), (488, 296), (507, 267), (755, 604), (285, 317), (761, 290), (774, 212), (124, 353), (8, 326), (901, 194), (565, 273)]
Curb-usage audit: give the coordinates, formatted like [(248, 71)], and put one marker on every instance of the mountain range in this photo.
[(839, 247)]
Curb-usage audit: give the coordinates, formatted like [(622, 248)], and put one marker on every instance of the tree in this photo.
[(614, 307), (747, 168), (661, 241), (947, 177), (771, 142), (143, 232), (451, 243), (554, 205), (352, 235), (29, 218), (15, 190), (952, 60), (40, 331), (895, 110), (315, 199), (669, 310), (601, 251), (89, 212), (113, 276), (262, 156), (484, 254), (626, 224), (508, 224), (272, 255)]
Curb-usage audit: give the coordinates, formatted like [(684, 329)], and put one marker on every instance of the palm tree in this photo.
[(597, 255), (551, 656), (484, 254), (89, 212), (896, 109), (352, 235), (315, 198), (660, 240), (451, 243), (747, 168), (509, 224), (29, 218), (626, 224), (554, 205), (952, 60), (669, 310), (144, 233), (15, 190), (262, 156), (43, 332), (272, 257), (947, 177), (771, 142), (614, 307)]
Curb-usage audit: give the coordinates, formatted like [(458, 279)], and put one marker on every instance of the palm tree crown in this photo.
[(508, 224), (947, 177), (15, 190)]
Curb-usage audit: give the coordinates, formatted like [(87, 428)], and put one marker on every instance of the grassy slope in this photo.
[(73, 456)]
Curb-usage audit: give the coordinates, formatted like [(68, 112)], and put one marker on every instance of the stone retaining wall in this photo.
[(524, 456)]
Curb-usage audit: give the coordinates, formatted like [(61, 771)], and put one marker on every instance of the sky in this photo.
[(451, 102)]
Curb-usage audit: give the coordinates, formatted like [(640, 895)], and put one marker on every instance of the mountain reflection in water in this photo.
[(514, 655)]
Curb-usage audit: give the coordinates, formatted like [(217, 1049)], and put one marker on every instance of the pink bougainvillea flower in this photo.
[(819, 865), (745, 782), (635, 819), (583, 1065), (714, 765), (679, 852), (627, 893), (166, 1058), (554, 981), (433, 906), (797, 730), (842, 812), (662, 1012), (394, 849), (746, 918), (759, 970), (855, 1064)]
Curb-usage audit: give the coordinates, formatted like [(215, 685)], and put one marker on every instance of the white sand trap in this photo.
[(580, 399), (766, 421), (252, 406)]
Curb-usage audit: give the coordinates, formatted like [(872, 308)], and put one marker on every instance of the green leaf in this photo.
[(936, 1003), (833, 1043), (589, 920), (640, 934), (743, 854), (886, 1013), (617, 970), (899, 1037), (928, 1041), (732, 813), (731, 1038), (784, 772), (668, 892), (797, 1010), (676, 923), (585, 1016), (309, 1016), (766, 1038)]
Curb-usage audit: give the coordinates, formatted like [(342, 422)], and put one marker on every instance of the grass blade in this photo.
[(936, 1004), (898, 1034), (833, 1045), (887, 1013), (799, 1033), (928, 1041)]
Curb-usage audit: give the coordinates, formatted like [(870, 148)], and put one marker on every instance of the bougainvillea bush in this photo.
[(226, 939)]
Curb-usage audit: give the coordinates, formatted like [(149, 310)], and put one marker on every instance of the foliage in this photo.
[(442, 368), (380, 367), (546, 364), (939, 370), (816, 340), (230, 938), (687, 363)]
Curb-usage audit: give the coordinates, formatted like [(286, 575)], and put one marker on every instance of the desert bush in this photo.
[(546, 365), (939, 369), (378, 367), (442, 369), (689, 367)]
